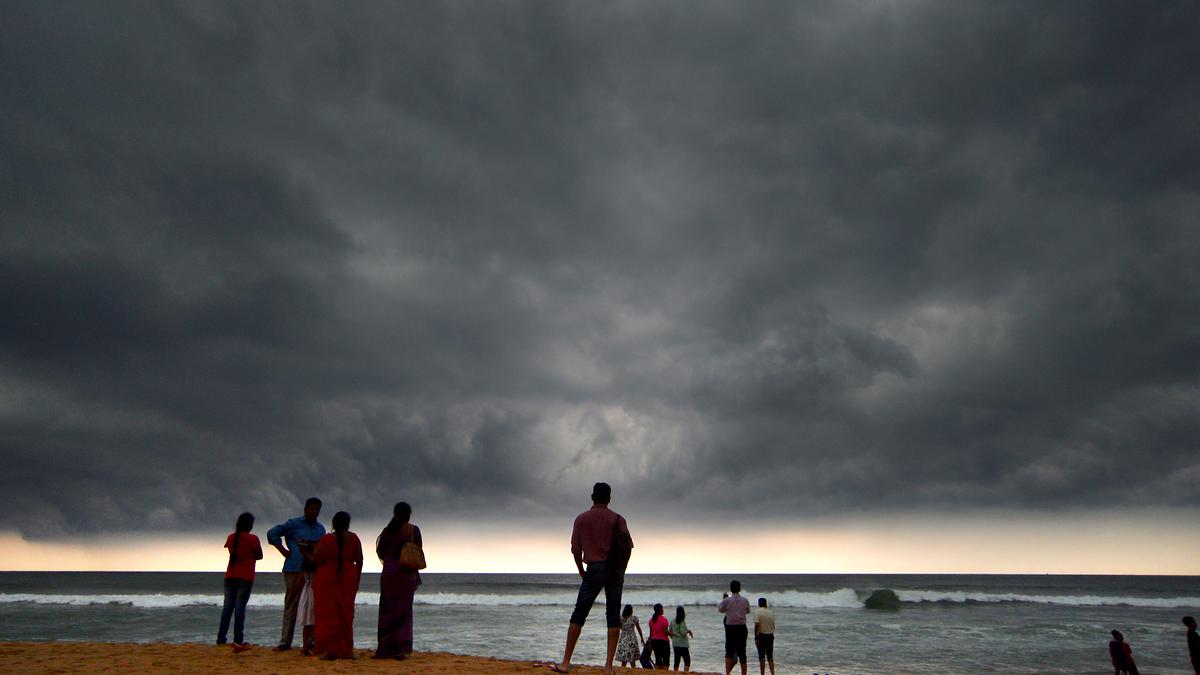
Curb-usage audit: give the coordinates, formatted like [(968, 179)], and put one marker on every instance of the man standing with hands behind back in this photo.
[(601, 539), (298, 533)]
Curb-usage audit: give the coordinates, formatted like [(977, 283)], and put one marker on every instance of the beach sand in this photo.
[(76, 657)]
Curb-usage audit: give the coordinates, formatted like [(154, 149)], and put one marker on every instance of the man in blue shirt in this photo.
[(297, 532)]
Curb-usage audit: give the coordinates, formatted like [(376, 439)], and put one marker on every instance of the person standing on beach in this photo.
[(397, 584), (339, 559), (1122, 655), (244, 551), (764, 636), (600, 537), (660, 641), (302, 529), (735, 608), (1193, 643), (628, 644), (680, 641)]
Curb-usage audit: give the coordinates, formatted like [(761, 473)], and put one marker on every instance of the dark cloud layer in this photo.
[(742, 261)]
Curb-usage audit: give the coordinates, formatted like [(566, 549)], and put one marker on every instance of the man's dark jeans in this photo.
[(237, 594), (597, 579)]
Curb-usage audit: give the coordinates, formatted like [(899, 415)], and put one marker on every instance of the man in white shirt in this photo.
[(735, 608)]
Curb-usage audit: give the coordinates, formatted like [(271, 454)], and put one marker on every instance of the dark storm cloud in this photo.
[(774, 260)]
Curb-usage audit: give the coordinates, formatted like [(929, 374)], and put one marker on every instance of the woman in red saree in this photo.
[(339, 559), (397, 585)]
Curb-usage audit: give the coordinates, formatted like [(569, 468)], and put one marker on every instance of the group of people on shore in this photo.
[(1121, 653), (600, 540), (321, 574), (322, 571), (601, 545), (667, 637)]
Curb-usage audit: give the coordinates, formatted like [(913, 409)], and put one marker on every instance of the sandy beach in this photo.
[(74, 657)]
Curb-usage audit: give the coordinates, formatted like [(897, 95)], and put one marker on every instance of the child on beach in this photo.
[(680, 643), (629, 646), (306, 618), (244, 551)]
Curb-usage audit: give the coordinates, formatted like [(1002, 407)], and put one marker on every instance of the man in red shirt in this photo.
[(601, 539)]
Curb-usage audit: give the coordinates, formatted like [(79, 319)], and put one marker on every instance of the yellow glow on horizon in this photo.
[(1079, 544)]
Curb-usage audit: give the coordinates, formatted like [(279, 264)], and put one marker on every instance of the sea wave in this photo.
[(966, 597), (842, 598)]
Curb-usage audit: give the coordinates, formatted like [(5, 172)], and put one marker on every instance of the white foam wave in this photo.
[(156, 600), (1071, 600), (845, 598)]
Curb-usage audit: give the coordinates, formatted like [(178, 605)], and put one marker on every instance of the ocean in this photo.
[(946, 623)]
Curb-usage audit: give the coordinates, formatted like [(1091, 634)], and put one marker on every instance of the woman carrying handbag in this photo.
[(401, 551)]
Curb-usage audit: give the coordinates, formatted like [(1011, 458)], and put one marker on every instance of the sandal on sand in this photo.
[(555, 668)]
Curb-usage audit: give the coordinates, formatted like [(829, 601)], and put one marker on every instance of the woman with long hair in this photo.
[(397, 585), (629, 646), (338, 557), (244, 551), (660, 644), (680, 642)]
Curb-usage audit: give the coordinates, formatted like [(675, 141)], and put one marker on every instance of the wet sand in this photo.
[(92, 657)]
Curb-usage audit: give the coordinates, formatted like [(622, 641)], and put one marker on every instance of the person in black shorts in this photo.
[(764, 636), (735, 608)]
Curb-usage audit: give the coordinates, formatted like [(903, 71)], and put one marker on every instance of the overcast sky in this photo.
[(744, 261)]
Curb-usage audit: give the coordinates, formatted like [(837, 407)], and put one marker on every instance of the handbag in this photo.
[(411, 555)]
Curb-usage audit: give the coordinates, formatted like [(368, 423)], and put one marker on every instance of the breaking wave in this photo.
[(843, 598)]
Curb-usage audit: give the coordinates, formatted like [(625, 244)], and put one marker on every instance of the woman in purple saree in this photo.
[(397, 584)]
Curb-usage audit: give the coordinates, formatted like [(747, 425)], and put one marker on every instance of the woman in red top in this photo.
[(660, 643), (339, 559), (244, 551)]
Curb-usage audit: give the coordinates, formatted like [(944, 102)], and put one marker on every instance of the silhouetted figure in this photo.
[(660, 641), (244, 551), (680, 639), (600, 538), (1121, 654), (1193, 643), (764, 636), (302, 529), (397, 585), (735, 608), (339, 559)]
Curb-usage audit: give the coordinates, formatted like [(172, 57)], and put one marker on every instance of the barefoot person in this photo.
[(304, 528), (339, 559), (735, 608), (681, 639), (397, 585), (764, 636), (660, 640), (601, 539), (244, 551), (629, 645)]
